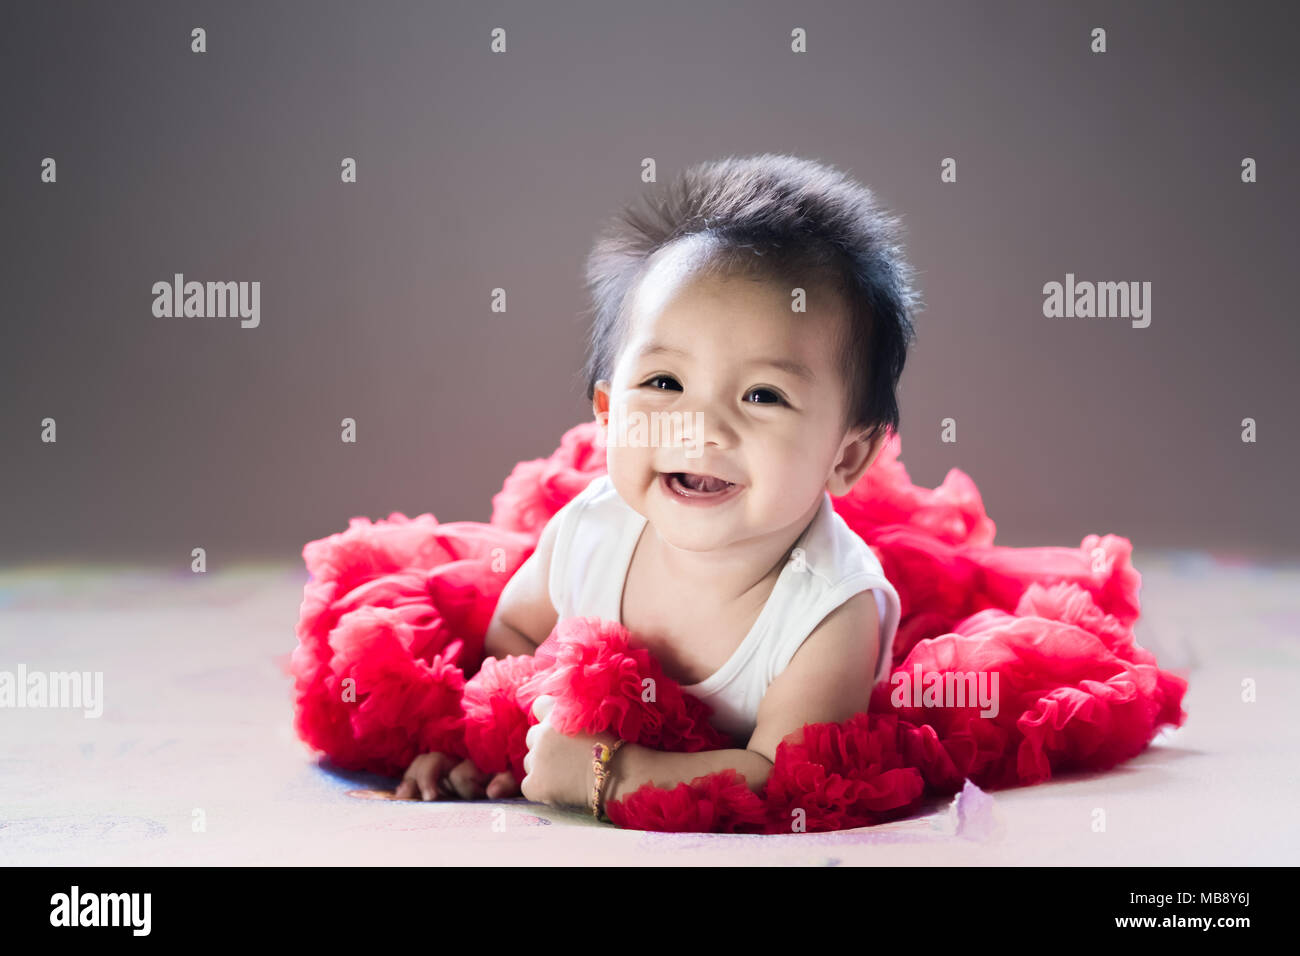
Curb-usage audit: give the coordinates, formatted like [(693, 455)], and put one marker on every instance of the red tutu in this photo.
[(390, 661)]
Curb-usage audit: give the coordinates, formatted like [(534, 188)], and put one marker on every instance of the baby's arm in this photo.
[(524, 615), (829, 679), (523, 619)]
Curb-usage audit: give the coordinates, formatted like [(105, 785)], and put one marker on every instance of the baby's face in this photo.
[(707, 348)]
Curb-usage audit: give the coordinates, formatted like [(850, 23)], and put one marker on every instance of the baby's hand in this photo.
[(433, 775)]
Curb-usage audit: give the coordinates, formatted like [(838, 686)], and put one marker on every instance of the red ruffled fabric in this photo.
[(391, 621), (390, 659), (535, 490)]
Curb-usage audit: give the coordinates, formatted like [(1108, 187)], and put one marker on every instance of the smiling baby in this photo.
[(765, 302)]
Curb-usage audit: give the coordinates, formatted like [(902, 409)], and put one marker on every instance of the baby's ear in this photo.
[(856, 457), (600, 401)]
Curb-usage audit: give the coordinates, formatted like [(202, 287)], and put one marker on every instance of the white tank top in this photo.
[(595, 540)]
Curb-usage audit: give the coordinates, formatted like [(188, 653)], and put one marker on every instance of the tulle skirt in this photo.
[(390, 662)]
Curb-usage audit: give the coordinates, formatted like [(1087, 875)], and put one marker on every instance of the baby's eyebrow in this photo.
[(655, 348), (796, 368), (793, 366)]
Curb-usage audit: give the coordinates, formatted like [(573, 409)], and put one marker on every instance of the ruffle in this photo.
[(390, 664)]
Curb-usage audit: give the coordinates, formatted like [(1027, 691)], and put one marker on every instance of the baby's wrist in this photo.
[(599, 793), (619, 772)]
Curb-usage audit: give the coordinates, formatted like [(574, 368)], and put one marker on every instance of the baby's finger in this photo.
[(503, 785), (534, 734), (467, 780), (405, 789), (542, 705), (429, 773)]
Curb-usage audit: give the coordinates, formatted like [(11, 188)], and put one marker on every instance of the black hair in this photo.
[(771, 216)]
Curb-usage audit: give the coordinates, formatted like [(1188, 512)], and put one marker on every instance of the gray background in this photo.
[(480, 170)]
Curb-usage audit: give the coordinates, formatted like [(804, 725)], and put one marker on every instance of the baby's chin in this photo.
[(693, 527), (695, 540)]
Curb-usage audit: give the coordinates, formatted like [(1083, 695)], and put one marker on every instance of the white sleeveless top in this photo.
[(598, 533)]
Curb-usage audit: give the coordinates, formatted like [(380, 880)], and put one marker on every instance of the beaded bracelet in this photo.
[(601, 755)]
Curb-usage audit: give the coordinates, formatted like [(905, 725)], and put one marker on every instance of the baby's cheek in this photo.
[(789, 461), (631, 470), (793, 481)]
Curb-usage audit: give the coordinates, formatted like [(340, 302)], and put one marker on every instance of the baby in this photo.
[(764, 303)]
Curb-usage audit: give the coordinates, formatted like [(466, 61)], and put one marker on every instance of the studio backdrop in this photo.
[(1099, 201)]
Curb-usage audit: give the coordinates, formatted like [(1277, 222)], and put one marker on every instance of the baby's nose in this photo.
[(709, 428)]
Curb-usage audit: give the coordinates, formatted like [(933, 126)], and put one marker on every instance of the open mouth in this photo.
[(690, 485)]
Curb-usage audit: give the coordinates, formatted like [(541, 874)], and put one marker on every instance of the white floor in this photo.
[(194, 760)]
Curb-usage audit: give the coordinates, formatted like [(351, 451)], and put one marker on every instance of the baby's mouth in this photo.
[(696, 485)]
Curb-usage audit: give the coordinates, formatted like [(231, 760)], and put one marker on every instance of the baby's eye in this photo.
[(775, 398), (663, 378)]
